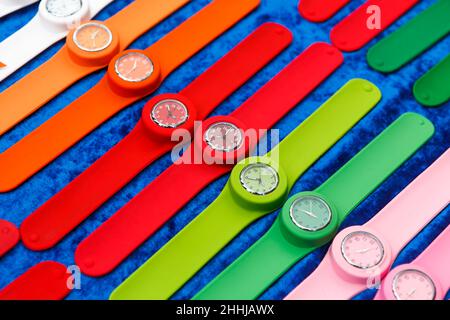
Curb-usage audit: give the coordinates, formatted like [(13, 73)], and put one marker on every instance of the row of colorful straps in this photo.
[(42, 231)]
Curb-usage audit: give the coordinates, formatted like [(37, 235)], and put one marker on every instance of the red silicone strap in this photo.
[(126, 230), (45, 281), (352, 33), (319, 11), (9, 236), (67, 209)]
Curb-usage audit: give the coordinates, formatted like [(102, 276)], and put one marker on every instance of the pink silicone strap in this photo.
[(415, 206), (353, 33), (333, 287), (436, 258), (399, 222)]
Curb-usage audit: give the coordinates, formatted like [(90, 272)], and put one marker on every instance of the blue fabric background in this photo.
[(396, 88)]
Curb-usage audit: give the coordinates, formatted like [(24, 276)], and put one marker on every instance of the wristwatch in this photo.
[(309, 220), (257, 186), (412, 39), (320, 11), (151, 138), (131, 76), (45, 281), (89, 48), (52, 23), (9, 236), (142, 216), (9, 6), (368, 21), (360, 256), (432, 89), (426, 278)]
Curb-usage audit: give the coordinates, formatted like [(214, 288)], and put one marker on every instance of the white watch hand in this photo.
[(310, 214), (363, 250)]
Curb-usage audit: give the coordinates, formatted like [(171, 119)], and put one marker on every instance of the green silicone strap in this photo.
[(167, 271), (274, 254), (255, 269), (409, 41), (433, 88), (377, 161), (325, 127)]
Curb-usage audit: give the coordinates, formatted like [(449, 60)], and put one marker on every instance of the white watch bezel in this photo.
[(64, 23)]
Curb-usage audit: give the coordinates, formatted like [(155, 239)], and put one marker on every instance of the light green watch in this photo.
[(257, 187), (309, 220)]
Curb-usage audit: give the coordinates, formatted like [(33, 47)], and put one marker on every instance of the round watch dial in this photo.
[(362, 250), (259, 179), (134, 67), (92, 37), (169, 113), (413, 285), (310, 213), (223, 136), (63, 8)]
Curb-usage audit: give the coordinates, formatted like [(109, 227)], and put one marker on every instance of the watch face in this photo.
[(134, 67), (259, 179), (63, 8), (413, 285), (362, 250), (310, 213), (92, 37), (169, 114), (223, 136)]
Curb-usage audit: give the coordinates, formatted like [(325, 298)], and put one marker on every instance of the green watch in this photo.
[(255, 188), (433, 88), (308, 220), (409, 41)]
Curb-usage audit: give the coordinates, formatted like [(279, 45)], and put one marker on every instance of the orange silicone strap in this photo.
[(196, 32), (61, 71), (48, 141)]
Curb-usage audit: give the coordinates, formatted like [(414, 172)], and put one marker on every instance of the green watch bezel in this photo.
[(305, 238), (270, 201)]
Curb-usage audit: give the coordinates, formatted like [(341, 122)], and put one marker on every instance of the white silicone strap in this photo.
[(35, 37), (9, 6)]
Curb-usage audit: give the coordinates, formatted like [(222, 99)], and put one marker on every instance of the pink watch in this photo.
[(361, 256), (426, 278)]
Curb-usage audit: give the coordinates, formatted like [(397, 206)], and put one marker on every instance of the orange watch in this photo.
[(131, 76), (89, 47)]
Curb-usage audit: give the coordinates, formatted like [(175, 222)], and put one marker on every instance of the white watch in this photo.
[(52, 23), (9, 6)]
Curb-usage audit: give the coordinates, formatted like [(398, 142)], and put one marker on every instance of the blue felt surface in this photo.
[(396, 88)]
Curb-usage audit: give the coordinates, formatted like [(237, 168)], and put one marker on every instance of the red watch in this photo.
[(119, 236), (9, 236), (151, 138), (356, 30), (319, 11), (45, 281)]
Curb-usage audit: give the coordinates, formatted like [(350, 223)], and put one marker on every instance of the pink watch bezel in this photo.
[(354, 274), (386, 292)]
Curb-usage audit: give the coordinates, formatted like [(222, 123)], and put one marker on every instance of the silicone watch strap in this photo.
[(408, 210), (45, 281), (353, 32), (9, 236), (436, 258), (163, 274), (349, 186), (126, 230), (35, 37), (77, 120), (10, 6), (319, 11), (62, 70), (406, 43), (61, 214), (432, 89)]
